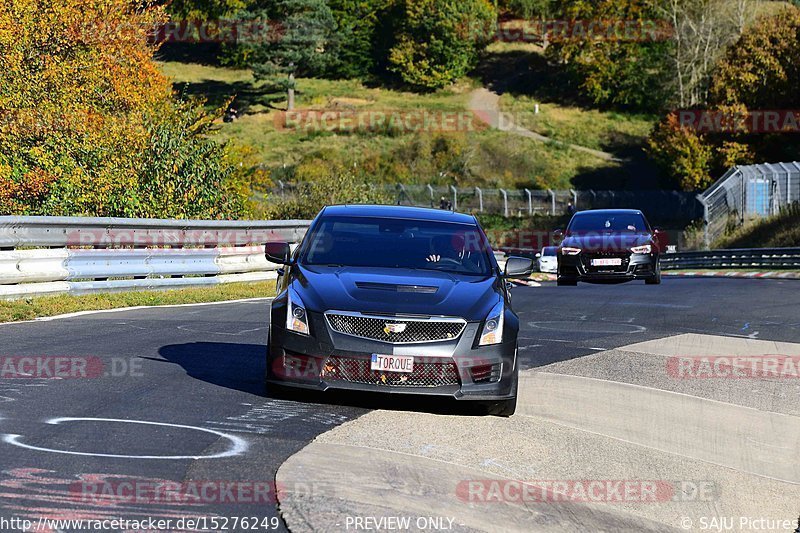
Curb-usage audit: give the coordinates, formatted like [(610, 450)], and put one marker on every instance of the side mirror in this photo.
[(538, 255), (660, 237), (278, 252), (517, 267)]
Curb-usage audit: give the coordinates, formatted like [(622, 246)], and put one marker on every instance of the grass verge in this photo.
[(778, 231), (471, 157), (43, 306)]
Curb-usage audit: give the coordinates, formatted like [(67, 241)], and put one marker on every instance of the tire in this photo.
[(504, 409), (272, 390), (567, 282), (656, 279), (267, 376)]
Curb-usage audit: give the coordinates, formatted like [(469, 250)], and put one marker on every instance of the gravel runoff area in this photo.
[(727, 447)]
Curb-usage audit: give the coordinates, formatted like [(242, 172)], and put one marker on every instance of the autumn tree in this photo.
[(620, 67), (759, 72), (762, 71), (683, 154), (83, 106), (702, 32)]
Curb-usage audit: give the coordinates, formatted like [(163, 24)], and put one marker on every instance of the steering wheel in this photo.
[(447, 260)]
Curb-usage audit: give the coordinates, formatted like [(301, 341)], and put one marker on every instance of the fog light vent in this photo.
[(486, 373)]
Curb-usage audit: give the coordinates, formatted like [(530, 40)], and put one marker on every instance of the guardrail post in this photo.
[(574, 198), (430, 190), (455, 197), (505, 202), (403, 193), (552, 201), (530, 202), (744, 196), (706, 222), (480, 198)]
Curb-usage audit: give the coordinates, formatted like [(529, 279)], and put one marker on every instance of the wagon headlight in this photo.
[(646, 249), (566, 250), (296, 316), (493, 328)]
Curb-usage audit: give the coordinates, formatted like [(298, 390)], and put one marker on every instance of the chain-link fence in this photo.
[(748, 192), (673, 208)]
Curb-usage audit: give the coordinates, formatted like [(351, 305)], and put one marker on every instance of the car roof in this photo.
[(610, 212), (399, 212)]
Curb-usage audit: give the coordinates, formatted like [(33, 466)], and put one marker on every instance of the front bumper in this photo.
[(332, 361), (634, 266)]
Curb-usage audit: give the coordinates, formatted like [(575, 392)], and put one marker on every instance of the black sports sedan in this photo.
[(608, 246), (397, 300)]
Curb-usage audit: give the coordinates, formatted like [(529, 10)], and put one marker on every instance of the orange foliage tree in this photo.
[(83, 110)]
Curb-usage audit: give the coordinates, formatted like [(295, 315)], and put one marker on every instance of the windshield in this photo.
[(549, 251), (608, 223), (397, 243)]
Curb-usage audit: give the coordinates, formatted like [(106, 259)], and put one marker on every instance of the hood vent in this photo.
[(417, 289)]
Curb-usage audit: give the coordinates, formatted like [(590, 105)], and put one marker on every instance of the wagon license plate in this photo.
[(607, 262), (392, 363)]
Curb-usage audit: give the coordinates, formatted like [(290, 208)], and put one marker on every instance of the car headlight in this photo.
[(566, 250), (296, 316), (646, 249), (492, 332)]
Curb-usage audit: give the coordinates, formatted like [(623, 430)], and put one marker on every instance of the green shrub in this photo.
[(320, 183), (438, 41)]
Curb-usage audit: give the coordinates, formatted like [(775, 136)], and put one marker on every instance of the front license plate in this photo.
[(607, 262), (392, 363)]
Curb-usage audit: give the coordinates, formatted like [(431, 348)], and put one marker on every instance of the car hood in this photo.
[(396, 291), (598, 242)]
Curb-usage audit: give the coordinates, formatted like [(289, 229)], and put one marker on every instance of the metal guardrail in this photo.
[(749, 258), (46, 255), (747, 193), (771, 258)]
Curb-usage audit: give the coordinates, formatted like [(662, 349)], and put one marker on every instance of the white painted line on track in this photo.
[(238, 445)]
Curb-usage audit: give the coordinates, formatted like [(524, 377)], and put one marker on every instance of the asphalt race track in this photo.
[(175, 394)]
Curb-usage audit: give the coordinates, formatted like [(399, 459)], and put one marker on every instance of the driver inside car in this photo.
[(447, 248)]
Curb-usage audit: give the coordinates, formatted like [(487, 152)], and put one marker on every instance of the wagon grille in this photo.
[(425, 374), (396, 330)]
